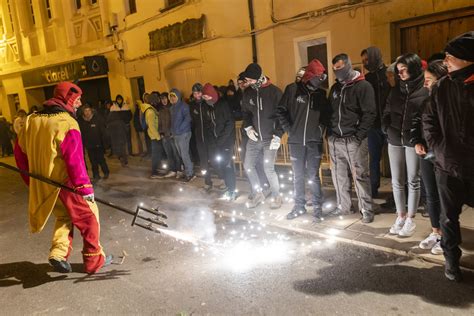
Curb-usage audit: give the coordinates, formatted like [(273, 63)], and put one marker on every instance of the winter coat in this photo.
[(303, 114), (259, 107), (403, 104), (201, 120), (118, 133), (448, 126), (180, 116), (164, 120), (150, 116), (124, 112), (93, 132), (222, 124), (353, 108), (378, 80)]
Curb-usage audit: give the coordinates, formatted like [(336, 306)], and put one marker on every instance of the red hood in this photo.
[(266, 84), (65, 93), (470, 79), (209, 90)]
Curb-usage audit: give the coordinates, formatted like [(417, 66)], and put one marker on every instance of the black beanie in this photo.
[(253, 71), (197, 87), (462, 47)]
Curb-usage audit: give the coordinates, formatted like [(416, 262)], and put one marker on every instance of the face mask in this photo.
[(259, 83), (344, 74), (315, 82), (210, 102)]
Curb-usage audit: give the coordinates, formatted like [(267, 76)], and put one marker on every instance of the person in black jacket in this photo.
[(449, 132), (259, 106), (377, 77), (435, 70), (205, 140), (222, 128), (125, 114), (303, 112), (94, 138), (404, 101), (353, 114)]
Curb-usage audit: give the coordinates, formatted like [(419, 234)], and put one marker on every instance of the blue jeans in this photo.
[(376, 142), (307, 157), (171, 153), (182, 144), (252, 155)]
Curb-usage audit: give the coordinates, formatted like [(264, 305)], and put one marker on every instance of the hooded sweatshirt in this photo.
[(353, 107), (377, 77), (259, 107), (151, 118), (180, 116), (50, 145)]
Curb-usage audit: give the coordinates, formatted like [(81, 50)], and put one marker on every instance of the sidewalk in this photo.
[(346, 229)]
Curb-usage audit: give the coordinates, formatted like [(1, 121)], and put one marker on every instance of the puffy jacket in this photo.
[(448, 126), (201, 120), (180, 116), (303, 114), (353, 108), (403, 104), (259, 107), (378, 80), (222, 125)]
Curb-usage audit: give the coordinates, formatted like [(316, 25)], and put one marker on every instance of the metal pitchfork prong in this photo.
[(138, 218)]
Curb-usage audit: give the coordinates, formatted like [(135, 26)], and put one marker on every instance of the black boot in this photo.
[(297, 210), (61, 266)]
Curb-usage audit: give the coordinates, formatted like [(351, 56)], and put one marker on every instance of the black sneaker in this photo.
[(339, 212), (367, 217), (318, 214), (189, 178), (106, 176), (295, 212), (61, 266)]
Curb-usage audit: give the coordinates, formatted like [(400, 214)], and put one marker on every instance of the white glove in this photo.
[(89, 197), (251, 133), (275, 143)]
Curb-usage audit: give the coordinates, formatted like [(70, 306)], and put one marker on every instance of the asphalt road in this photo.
[(224, 266)]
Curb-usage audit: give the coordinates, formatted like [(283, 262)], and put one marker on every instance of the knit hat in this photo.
[(197, 87), (209, 90), (253, 71), (314, 69), (241, 76), (462, 47)]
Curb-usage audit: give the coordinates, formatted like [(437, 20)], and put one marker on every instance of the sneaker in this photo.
[(170, 174), (189, 178), (179, 174), (106, 176), (207, 187), (397, 226), (453, 274), (367, 217), (61, 266), (318, 214), (266, 192), (430, 241), (296, 211), (257, 199), (229, 196), (408, 229), (339, 212), (155, 176), (108, 260), (275, 202), (437, 250)]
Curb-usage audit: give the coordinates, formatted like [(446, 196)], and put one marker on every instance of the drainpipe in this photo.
[(252, 27)]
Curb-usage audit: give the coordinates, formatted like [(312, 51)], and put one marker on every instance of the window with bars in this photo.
[(32, 13), (10, 15), (78, 4), (48, 9)]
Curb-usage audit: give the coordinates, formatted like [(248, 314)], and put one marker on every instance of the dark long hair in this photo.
[(437, 68), (413, 62)]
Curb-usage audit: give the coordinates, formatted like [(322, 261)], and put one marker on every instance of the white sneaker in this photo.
[(179, 174), (397, 226), (408, 229), (430, 241), (437, 250)]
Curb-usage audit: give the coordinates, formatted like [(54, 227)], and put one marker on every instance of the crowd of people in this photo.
[(422, 109)]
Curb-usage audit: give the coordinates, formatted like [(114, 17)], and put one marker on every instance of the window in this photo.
[(170, 4), (32, 12), (10, 15), (93, 2), (78, 4), (132, 4), (48, 9)]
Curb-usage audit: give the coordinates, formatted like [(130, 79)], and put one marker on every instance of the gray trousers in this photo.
[(405, 165), (182, 144), (348, 155), (252, 154)]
